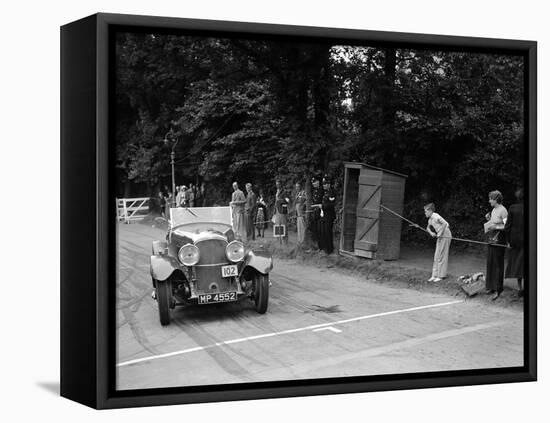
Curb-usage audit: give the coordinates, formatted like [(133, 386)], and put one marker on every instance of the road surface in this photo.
[(320, 323)]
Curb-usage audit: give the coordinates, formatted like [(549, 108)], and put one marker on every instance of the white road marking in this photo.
[(306, 368), (284, 332), (329, 328)]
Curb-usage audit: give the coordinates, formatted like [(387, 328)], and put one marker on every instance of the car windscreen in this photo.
[(186, 215), (198, 228)]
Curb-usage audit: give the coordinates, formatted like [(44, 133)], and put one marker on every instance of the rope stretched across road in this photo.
[(410, 222)]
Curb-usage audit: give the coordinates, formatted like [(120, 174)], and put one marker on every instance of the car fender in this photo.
[(259, 260), (162, 267)]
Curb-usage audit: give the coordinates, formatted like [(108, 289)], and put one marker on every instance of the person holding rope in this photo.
[(496, 219), (443, 234)]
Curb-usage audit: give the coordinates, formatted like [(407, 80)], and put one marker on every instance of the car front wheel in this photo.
[(163, 301), (261, 292)]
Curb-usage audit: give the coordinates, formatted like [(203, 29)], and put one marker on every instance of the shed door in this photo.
[(368, 212)]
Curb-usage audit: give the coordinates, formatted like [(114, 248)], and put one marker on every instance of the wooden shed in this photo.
[(368, 231)]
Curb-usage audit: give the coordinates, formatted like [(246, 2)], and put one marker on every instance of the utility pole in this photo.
[(172, 161), (172, 156)]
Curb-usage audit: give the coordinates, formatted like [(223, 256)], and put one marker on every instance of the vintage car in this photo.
[(201, 263)]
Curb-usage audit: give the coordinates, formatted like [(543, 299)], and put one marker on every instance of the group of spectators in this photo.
[(190, 195), (186, 196), (250, 212)]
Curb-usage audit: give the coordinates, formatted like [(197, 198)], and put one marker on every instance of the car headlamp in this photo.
[(189, 255), (234, 251)]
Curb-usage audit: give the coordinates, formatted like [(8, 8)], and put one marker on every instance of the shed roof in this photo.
[(358, 165)]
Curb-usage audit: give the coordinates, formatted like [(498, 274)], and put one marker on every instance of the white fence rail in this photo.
[(132, 209)]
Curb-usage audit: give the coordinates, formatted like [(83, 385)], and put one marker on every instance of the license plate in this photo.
[(230, 271), (221, 297)]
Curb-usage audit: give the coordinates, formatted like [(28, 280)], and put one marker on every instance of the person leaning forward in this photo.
[(442, 233)]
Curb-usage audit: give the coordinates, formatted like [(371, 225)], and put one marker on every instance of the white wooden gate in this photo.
[(132, 209)]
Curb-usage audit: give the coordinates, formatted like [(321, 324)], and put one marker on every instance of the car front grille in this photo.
[(208, 270), (212, 251)]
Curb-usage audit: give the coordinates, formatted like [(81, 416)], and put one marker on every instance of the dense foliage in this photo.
[(253, 110)]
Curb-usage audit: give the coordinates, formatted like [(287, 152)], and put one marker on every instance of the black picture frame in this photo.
[(88, 238)]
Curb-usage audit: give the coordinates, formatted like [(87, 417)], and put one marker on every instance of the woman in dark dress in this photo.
[(514, 236), (328, 215), (261, 214), (496, 218)]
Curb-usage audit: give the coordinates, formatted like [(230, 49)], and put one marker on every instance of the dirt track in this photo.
[(320, 323)]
